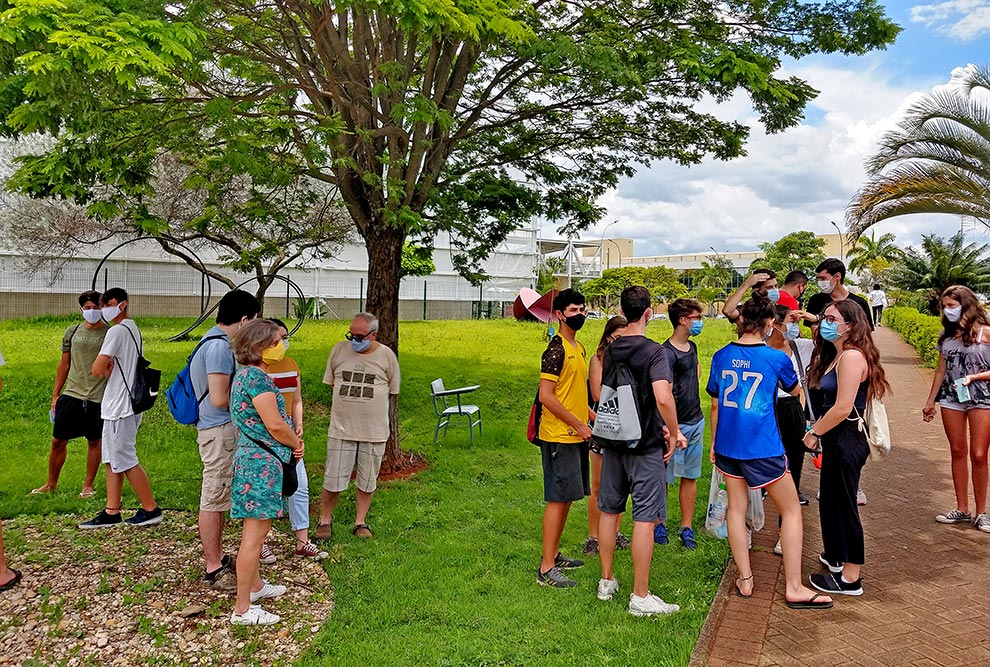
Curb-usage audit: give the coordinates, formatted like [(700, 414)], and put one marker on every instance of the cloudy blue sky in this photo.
[(804, 177)]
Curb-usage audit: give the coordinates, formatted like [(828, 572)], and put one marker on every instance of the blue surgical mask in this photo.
[(829, 331), (793, 331), (773, 295), (697, 326), (361, 345)]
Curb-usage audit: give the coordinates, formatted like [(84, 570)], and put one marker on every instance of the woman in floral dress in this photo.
[(258, 412)]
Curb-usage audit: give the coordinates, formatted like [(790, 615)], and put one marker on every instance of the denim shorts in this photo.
[(758, 473), (686, 463)]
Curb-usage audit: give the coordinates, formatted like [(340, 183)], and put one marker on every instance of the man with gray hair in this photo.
[(362, 373)]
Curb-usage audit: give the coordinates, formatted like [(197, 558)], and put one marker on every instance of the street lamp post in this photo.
[(601, 244), (842, 245)]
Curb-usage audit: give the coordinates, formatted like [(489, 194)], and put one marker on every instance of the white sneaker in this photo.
[(651, 605), (982, 522), (267, 591), (267, 555), (255, 615), (777, 549), (607, 588), (860, 497)]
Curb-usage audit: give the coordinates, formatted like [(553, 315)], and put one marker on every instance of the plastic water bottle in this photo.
[(717, 510)]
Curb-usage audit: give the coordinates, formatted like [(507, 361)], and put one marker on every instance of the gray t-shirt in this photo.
[(214, 356), (83, 344), (121, 344)]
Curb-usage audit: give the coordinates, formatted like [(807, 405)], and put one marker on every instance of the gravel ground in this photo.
[(117, 597)]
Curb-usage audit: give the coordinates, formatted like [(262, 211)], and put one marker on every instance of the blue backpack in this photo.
[(182, 400)]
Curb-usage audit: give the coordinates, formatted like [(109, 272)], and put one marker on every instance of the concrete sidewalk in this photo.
[(927, 585)]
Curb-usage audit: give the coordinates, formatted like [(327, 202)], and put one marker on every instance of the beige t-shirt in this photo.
[(362, 383)]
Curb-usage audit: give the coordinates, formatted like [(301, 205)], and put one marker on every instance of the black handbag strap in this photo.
[(116, 361), (267, 448)]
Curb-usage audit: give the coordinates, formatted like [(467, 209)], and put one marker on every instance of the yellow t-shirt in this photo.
[(567, 366)]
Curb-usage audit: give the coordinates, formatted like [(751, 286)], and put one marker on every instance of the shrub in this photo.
[(917, 329)]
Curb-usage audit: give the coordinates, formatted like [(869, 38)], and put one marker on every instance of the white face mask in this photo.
[(110, 313), (825, 286), (952, 314), (92, 315), (285, 343)]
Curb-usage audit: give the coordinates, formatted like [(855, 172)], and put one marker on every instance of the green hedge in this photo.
[(919, 330)]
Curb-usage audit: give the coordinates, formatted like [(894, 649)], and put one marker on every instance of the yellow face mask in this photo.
[(273, 354)]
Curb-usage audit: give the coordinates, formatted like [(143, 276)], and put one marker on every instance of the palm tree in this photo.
[(937, 161), (868, 249), (940, 263)]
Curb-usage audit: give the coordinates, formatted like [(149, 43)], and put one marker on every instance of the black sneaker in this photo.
[(834, 585), (590, 546), (803, 500), (102, 520), (554, 578), (565, 563), (144, 518), (834, 568), (224, 578), (621, 541)]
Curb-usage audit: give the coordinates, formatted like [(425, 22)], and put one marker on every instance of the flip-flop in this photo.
[(39, 491), (83, 494), (362, 530), (810, 603), (13, 582)]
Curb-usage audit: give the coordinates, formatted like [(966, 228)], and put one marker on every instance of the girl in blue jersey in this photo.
[(747, 448)]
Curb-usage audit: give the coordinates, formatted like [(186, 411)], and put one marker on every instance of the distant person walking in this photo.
[(962, 388), (614, 328), (878, 299), (846, 372), (747, 449), (117, 361), (265, 440), (77, 395)]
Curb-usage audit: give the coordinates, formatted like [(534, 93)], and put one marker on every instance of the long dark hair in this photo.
[(613, 325), (973, 316), (858, 337)]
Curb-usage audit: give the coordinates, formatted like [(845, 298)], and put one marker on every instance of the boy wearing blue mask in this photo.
[(765, 279), (685, 464), (362, 374)]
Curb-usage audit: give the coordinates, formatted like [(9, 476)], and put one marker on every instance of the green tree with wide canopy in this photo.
[(797, 251)]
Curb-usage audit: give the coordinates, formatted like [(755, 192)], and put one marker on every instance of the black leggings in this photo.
[(877, 314), (792, 426), (844, 453)]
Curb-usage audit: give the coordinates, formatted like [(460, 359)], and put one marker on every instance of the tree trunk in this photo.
[(384, 246)]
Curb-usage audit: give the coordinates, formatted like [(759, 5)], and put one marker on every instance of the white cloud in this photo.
[(800, 179), (964, 20)]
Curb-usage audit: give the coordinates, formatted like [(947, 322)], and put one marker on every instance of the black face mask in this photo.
[(575, 322)]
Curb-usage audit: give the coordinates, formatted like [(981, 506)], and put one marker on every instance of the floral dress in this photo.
[(257, 486)]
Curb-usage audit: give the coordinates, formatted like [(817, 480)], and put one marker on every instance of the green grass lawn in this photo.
[(449, 578)]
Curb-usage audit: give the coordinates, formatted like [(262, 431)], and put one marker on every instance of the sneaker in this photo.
[(607, 588), (145, 518), (223, 578), (834, 585), (803, 500), (267, 556), (777, 549), (310, 550), (621, 541), (267, 591), (687, 538), (860, 497), (834, 568), (982, 522), (102, 520), (955, 516), (590, 546), (650, 605), (565, 563), (660, 534), (255, 615), (554, 578)]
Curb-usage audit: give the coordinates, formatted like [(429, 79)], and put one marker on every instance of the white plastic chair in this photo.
[(446, 411)]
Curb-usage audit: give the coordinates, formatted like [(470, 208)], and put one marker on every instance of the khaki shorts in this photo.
[(216, 449), (343, 456), (120, 443)]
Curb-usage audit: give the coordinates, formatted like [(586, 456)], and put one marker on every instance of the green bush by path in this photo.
[(449, 578), (917, 329)]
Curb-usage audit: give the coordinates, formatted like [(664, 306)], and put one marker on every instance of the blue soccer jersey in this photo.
[(745, 378)]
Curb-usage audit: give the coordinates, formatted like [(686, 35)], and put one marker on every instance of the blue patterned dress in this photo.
[(257, 487)]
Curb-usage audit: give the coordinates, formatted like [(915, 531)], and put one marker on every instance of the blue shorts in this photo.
[(758, 473), (686, 463)]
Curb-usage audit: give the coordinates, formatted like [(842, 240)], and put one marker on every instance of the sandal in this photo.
[(13, 582), (739, 593), (810, 603), (323, 531), (362, 530)]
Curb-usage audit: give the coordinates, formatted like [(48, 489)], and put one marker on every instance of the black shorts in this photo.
[(642, 476), (566, 476), (76, 418)]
